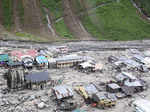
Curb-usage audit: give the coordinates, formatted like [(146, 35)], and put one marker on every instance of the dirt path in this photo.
[(1, 18), (16, 19), (33, 19), (32, 15), (73, 23)]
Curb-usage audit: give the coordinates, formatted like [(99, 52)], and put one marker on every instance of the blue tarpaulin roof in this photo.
[(4, 57), (37, 77), (41, 59)]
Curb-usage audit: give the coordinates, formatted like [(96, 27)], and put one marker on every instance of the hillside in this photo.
[(144, 5), (50, 20)]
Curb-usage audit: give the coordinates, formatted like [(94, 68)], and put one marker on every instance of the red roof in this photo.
[(20, 54)]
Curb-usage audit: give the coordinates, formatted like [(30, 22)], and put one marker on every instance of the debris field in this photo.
[(42, 99)]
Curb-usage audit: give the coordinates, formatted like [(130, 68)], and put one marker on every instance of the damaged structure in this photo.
[(64, 95)]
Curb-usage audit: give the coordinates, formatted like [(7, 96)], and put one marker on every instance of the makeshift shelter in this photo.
[(37, 80)]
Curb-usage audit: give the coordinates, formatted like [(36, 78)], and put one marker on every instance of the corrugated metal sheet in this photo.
[(63, 91)]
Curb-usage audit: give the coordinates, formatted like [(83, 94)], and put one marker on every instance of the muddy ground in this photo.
[(26, 100)]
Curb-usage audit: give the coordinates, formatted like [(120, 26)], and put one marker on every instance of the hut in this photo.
[(37, 80)]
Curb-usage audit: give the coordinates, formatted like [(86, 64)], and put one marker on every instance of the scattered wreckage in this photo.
[(97, 99), (124, 85)]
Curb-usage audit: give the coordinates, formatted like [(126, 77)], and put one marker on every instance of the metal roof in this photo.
[(69, 58), (91, 89), (132, 83), (62, 91), (37, 76), (113, 86)]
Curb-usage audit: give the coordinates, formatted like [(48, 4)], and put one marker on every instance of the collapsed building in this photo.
[(90, 66)]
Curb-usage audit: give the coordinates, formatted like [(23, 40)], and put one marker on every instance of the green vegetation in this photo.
[(144, 5), (116, 21), (27, 36), (55, 8), (20, 9), (7, 13), (62, 29)]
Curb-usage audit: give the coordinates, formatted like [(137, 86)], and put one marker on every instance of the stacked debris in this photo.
[(97, 99), (103, 100), (90, 66)]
